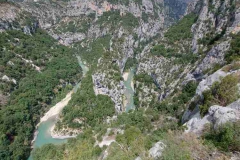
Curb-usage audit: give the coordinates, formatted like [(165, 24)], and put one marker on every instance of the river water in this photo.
[(44, 129), (129, 92)]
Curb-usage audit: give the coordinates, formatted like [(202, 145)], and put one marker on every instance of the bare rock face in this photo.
[(205, 84), (157, 149), (102, 84), (196, 123), (214, 56), (14, 17), (9, 12), (222, 115), (208, 18), (235, 105)]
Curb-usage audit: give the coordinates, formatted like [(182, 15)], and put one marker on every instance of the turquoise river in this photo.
[(44, 129)]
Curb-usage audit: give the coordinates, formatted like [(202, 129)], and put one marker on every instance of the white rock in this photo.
[(235, 105), (6, 78), (196, 123), (10, 63), (223, 115), (217, 115), (148, 6), (138, 158), (208, 82), (157, 149)]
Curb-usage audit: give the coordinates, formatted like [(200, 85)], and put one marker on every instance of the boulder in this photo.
[(235, 105), (222, 115), (217, 116), (196, 123), (157, 149), (138, 158)]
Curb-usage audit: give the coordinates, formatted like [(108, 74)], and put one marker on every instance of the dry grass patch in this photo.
[(187, 146)]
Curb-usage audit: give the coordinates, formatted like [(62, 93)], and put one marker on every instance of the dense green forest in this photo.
[(34, 90), (92, 109)]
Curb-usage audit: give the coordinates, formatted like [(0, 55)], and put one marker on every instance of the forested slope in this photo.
[(37, 70)]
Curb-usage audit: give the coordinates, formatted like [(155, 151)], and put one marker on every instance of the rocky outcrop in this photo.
[(156, 151), (213, 57), (14, 17), (104, 85), (217, 116), (211, 24), (222, 115), (7, 79), (64, 133), (193, 118)]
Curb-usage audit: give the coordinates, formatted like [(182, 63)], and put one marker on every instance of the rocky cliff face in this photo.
[(217, 22), (14, 17)]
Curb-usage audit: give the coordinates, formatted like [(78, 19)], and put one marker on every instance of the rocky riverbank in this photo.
[(64, 133)]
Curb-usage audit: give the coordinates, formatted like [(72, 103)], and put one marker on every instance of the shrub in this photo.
[(234, 51), (177, 104), (145, 78), (221, 93), (226, 137), (131, 62), (160, 50), (135, 118), (129, 145), (182, 30)]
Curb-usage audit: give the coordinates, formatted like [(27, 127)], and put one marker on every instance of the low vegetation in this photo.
[(178, 103), (95, 50), (115, 19), (182, 30), (144, 78), (135, 118), (225, 137), (160, 50), (221, 93), (234, 51)]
